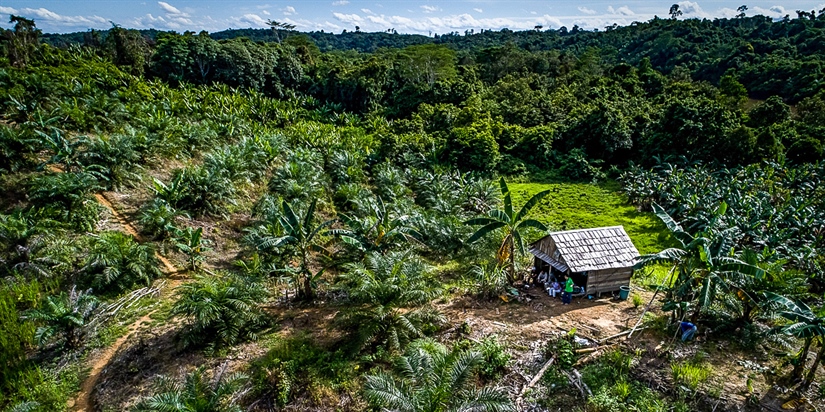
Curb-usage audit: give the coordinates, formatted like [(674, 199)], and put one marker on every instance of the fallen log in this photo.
[(627, 332), (593, 349), (533, 381)]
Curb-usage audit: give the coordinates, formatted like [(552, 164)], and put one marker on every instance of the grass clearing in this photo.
[(583, 205)]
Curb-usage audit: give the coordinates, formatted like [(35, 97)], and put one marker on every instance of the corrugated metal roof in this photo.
[(594, 249), (552, 262)]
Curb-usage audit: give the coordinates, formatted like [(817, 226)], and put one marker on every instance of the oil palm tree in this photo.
[(196, 393), (378, 232), (64, 315), (430, 379), (390, 295), (25, 238), (513, 225), (116, 261), (221, 310)]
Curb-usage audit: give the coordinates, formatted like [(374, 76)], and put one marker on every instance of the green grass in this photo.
[(582, 205), (690, 374)]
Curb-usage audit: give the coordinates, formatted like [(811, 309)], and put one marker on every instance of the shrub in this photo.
[(221, 310), (494, 356)]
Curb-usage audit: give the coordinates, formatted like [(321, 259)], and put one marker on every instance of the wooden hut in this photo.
[(599, 259)]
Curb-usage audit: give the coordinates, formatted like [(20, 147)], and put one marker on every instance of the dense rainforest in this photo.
[(268, 219)]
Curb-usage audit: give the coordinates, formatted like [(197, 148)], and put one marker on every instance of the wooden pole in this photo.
[(651, 302)]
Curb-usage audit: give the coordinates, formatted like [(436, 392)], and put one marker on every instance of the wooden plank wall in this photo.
[(608, 280)]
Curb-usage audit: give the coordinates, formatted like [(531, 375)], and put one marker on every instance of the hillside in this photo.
[(194, 224)]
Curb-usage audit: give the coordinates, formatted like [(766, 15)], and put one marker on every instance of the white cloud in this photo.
[(265, 12), (585, 10), (289, 11), (446, 24), (692, 9), (348, 18), (774, 11), (367, 11), (533, 13), (168, 8), (477, 10), (624, 11), (43, 15), (430, 9), (253, 19), (340, 3), (7, 10)]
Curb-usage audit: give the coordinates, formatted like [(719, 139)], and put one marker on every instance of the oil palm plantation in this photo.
[(514, 224), (428, 378)]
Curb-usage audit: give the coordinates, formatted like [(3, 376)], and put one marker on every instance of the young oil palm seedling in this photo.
[(429, 378), (221, 311), (63, 316), (117, 262), (196, 393), (513, 224)]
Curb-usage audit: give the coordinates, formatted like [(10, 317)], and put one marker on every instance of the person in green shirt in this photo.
[(567, 295)]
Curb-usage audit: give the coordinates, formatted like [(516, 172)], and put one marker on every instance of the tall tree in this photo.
[(22, 42)]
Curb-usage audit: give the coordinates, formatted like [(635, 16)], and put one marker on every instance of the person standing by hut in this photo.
[(567, 295)]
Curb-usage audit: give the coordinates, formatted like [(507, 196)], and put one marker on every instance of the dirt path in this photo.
[(83, 401), (168, 267)]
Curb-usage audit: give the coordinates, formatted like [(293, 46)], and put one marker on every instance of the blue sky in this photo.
[(424, 17)]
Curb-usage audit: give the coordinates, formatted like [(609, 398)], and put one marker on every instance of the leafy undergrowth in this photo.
[(583, 205)]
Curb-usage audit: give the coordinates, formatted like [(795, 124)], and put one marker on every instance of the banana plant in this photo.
[(190, 241), (804, 324), (513, 224), (298, 236), (704, 264)]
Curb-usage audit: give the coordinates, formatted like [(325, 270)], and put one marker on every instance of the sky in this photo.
[(416, 16)]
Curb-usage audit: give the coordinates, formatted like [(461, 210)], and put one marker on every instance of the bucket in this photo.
[(624, 291)]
